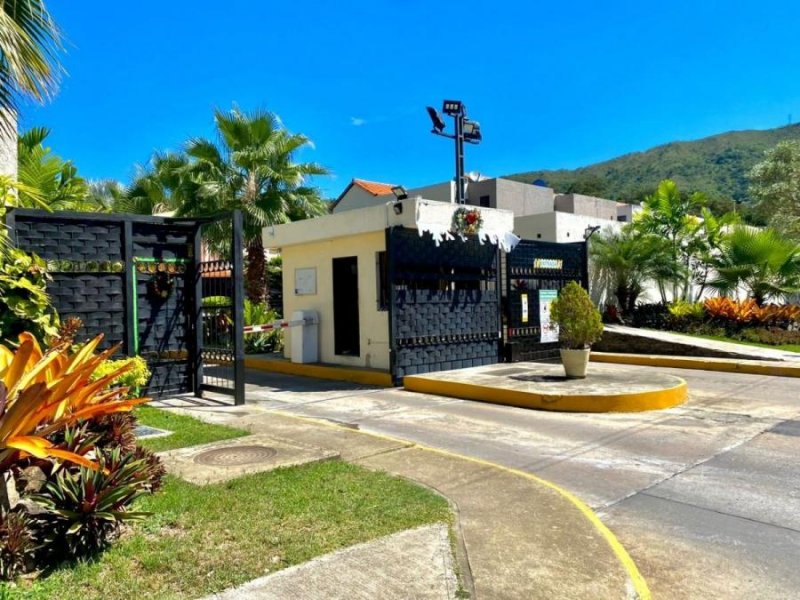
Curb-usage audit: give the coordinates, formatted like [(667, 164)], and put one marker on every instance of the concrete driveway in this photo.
[(705, 496)]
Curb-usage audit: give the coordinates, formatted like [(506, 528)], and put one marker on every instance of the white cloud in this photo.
[(357, 121)]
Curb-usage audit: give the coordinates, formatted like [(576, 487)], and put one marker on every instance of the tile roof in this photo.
[(374, 187)]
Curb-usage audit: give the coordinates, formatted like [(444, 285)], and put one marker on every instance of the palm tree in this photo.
[(29, 46), (764, 263), (253, 169), (627, 260), (159, 187), (672, 216), (57, 181)]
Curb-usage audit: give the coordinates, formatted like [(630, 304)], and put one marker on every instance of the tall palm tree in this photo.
[(764, 263), (29, 45), (252, 168)]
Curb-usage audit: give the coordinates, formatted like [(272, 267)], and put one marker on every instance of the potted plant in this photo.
[(579, 326)]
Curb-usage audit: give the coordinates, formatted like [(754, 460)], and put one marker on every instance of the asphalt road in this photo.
[(705, 496)]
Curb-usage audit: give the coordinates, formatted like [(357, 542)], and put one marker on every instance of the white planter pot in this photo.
[(575, 362)]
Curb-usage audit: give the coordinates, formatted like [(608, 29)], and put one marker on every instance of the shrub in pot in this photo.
[(579, 326)]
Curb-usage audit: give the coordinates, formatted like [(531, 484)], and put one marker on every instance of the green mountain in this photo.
[(717, 165)]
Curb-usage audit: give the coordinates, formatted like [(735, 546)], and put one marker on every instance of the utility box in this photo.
[(305, 336)]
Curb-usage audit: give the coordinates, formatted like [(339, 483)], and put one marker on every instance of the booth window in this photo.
[(382, 272)]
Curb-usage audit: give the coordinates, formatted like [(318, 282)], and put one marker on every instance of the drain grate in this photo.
[(235, 456)]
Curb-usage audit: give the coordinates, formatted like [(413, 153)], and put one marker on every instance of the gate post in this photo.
[(196, 343), (237, 260)]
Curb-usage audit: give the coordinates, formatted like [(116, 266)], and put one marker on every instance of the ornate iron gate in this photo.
[(444, 303), (533, 271), (219, 310)]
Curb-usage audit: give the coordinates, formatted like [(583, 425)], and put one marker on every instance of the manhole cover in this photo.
[(235, 456)]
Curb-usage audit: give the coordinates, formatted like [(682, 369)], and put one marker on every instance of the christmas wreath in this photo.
[(467, 221), (161, 285)]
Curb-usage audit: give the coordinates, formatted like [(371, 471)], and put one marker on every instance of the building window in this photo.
[(622, 218), (382, 278), (486, 201)]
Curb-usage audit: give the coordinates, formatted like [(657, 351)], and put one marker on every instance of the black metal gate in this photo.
[(219, 310), (138, 281), (444, 303), (534, 272)]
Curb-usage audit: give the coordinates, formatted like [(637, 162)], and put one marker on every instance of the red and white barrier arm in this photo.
[(276, 325)]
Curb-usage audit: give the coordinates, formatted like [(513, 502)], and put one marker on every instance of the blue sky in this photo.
[(554, 84)]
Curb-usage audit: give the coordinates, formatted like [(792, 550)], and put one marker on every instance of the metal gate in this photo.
[(140, 281), (219, 308), (534, 272), (444, 303)]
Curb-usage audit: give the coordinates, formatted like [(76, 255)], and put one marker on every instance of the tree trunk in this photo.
[(256, 275)]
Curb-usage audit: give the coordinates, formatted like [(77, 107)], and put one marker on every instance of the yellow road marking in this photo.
[(654, 399), (639, 583), (752, 367)]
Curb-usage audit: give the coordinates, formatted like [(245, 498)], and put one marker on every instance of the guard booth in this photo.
[(395, 290), (166, 289)]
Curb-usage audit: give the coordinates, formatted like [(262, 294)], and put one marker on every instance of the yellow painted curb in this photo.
[(590, 403), (362, 376), (628, 564), (725, 365)]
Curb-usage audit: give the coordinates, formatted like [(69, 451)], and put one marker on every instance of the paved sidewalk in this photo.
[(619, 338), (411, 565), (521, 539)]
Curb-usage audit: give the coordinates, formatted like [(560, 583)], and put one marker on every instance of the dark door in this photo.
[(346, 332)]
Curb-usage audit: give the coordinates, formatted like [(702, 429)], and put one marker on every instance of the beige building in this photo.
[(336, 265), (540, 213)]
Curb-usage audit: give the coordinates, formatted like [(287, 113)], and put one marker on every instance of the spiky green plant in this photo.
[(760, 261)]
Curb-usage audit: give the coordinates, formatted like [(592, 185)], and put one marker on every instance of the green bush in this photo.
[(578, 319), (268, 341), (134, 379), (683, 314), (24, 303), (773, 336), (216, 301)]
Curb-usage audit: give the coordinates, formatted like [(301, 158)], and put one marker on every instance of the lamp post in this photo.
[(465, 131), (587, 234)]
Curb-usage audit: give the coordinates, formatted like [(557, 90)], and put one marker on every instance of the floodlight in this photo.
[(400, 192), (453, 107), (590, 231), (436, 119), (472, 132)]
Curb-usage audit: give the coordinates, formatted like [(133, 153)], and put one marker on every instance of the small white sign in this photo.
[(549, 330), (524, 300), (305, 281)]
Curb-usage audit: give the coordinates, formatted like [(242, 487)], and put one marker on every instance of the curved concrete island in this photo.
[(543, 386)]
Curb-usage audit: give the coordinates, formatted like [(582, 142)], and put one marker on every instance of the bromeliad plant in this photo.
[(43, 393), (68, 454)]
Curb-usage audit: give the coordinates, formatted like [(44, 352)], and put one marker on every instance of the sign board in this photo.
[(305, 281), (549, 330), (524, 299), (555, 264)]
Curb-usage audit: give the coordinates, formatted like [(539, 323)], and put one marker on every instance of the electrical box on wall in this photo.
[(305, 281)]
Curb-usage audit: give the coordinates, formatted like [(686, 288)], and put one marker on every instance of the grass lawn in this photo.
[(186, 430), (720, 338), (203, 539)]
